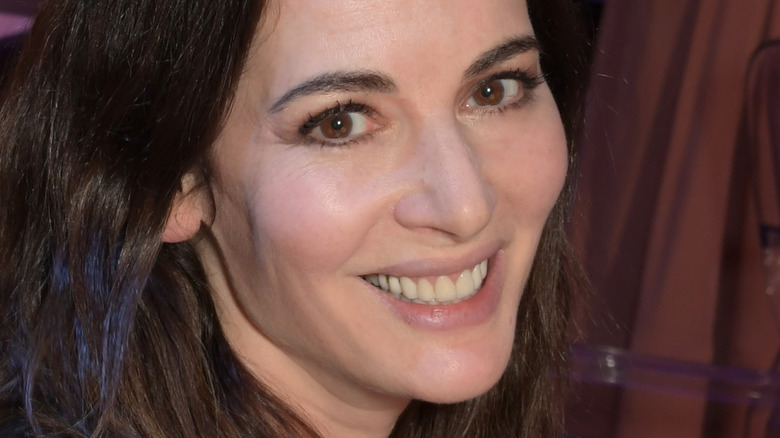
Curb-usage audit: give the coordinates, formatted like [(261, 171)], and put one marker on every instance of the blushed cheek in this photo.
[(310, 216)]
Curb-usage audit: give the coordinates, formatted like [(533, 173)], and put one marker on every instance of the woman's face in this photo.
[(406, 143)]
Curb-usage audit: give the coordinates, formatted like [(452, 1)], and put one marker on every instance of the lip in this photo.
[(431, 267), (469, 312)]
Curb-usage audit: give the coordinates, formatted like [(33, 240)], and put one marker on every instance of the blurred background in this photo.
[(677, 218), (677, 222)]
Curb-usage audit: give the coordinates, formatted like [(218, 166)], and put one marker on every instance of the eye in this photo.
[(341, 125), (496, 92)]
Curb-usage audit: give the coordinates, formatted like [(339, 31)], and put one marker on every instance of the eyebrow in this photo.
[(503, 52), (351, 81), (369, 81)]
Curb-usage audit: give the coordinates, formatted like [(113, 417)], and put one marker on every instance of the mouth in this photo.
[(441, 290)]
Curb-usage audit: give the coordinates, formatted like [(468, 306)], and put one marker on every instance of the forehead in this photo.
[(300, 38)]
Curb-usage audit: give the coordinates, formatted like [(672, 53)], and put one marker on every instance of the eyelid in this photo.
[(306, 131), (350, 107), (529, 79)]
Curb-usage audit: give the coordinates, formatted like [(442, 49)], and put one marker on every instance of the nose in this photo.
[(450, 194)]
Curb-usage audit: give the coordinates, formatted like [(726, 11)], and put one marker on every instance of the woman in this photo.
[(286, 218)]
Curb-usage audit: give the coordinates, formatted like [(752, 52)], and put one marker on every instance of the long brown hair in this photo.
[(108, 332)]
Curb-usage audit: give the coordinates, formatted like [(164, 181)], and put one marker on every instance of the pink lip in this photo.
[(434, 268), (470, 312)]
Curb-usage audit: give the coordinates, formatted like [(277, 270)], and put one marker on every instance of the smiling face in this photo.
[(381, 185)]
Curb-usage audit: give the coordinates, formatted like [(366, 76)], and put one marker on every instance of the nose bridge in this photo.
[(452, 194)]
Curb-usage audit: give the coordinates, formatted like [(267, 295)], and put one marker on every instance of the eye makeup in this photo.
[(521, 94), (339, 125), (315, 120)]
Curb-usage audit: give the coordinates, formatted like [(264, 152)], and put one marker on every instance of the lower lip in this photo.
[(470, 312)]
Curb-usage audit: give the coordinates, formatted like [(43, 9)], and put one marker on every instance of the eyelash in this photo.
[(528, 81), (314, 121)]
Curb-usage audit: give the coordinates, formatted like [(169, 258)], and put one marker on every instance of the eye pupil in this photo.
[(338, 126), (490, 94)]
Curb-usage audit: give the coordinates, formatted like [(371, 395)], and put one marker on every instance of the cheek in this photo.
[(528, 168), (311, 214), (546, 179)]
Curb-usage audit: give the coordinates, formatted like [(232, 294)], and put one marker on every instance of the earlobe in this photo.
[(186, 214)]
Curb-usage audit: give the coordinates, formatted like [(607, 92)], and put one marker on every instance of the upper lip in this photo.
[(439, 265)]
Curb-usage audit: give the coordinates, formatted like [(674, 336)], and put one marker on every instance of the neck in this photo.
[(333, 412), (340, 421)]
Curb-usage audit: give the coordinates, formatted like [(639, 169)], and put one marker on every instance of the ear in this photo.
[(187, 212)]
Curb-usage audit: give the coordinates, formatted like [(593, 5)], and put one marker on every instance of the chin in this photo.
[(461, 382), (457, 394)]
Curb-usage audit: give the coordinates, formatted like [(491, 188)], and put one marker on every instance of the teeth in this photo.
[(464, 287), (443, 291), (425, 291), (477, 275), (409, 288), (395, 285)]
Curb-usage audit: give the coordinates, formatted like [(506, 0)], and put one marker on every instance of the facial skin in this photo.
[(435, 176)]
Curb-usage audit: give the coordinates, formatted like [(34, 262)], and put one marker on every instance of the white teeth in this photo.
[(409, 288), (425, 291), (443, 291), (476, 276), (464, 287), (395, 285)]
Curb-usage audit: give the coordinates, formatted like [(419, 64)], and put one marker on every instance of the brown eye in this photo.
[(497, 92), (490, 93), (338, 126)]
